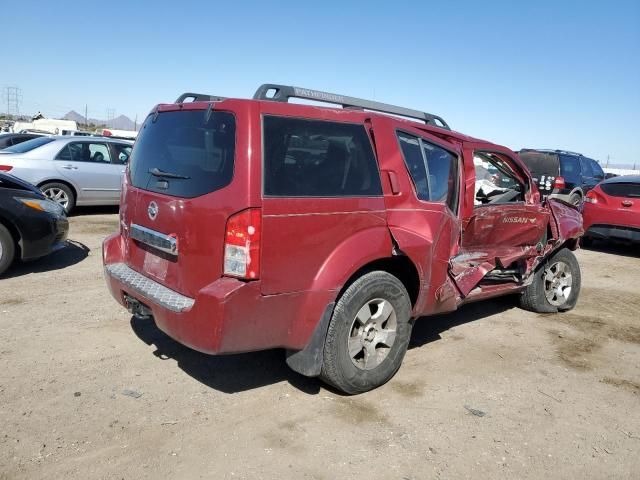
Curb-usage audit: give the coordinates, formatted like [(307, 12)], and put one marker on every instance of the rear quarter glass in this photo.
[(618, 189), (195, 150)]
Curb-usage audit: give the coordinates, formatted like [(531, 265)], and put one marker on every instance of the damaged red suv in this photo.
[(249, 224)]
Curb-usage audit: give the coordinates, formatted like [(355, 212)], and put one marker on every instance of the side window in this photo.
[(85, 152), (443, 174), (433, 170), (65, 154), (414, 160), (496, 181), (598, 173), (99, 153), (310, 158), (587, 170), (570, 168), (122, 153)]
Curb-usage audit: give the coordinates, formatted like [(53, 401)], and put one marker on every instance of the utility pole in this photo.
[(111, 113), (607, 160), (14, 97), (135, 123), (86, 120)]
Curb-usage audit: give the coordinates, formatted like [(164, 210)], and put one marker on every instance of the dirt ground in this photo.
[(488, 392)]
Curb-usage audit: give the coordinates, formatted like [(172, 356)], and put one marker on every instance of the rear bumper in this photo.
[(611, 232), (226, 316)]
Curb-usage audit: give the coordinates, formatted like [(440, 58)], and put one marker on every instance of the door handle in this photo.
[(627, 203), (69, 167), (393, 182)]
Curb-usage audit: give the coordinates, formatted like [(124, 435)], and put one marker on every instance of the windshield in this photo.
[(184, 153), (28, 145)]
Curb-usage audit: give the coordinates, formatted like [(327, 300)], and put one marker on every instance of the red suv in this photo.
[(253, 224)]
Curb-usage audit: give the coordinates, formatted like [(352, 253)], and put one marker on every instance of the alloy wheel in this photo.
[(57, 195), (557, 283), (372, 334)]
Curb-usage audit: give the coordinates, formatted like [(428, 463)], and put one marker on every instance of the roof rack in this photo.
[(198, 97), (569, 152), (282, 93), (549, 150)]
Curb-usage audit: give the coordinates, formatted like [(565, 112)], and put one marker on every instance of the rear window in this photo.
[(311, 158), (618, 189), (29, 145), (540, 163), (184, 153)]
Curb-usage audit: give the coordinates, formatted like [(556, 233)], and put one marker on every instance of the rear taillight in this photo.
[(559, 183), (592, 197), (5, 168), (242, 244)]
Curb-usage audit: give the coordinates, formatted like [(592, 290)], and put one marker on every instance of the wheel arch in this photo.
[(400, 266)]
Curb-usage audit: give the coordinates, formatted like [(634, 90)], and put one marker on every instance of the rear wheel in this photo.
[(555, 286), (368, 334), (60, 193), (7, 249)]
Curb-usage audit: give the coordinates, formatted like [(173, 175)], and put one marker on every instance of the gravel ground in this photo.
[(490, 391)]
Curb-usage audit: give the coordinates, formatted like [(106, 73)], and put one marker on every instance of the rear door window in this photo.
[(432, 169), (587, 169), (598, 173), (312, 158), (570, 168), (184, 153)]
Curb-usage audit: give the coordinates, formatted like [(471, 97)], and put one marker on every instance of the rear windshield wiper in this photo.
[(156, 172)]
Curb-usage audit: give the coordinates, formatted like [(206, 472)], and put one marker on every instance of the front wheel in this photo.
[(61, 194), (7, 249), (368, 334), (555, 286)]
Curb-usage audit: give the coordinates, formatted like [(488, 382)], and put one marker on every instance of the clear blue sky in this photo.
[(554, 74)]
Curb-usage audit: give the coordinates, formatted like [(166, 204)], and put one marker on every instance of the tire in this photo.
[(541, 297), (363, 323), (60, 193), (7, 249), (575, 199)]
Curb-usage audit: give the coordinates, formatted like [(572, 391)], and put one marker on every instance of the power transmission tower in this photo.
[(13, 97), (111, 113)]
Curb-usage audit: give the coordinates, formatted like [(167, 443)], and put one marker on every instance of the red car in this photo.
[(255, 224), (612, 210)]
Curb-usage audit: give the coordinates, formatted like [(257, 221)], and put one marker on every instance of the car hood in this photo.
[(14, 183)]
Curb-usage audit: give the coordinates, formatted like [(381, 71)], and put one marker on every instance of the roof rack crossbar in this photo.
[(549, 150), (282, 93), (198, 97)]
